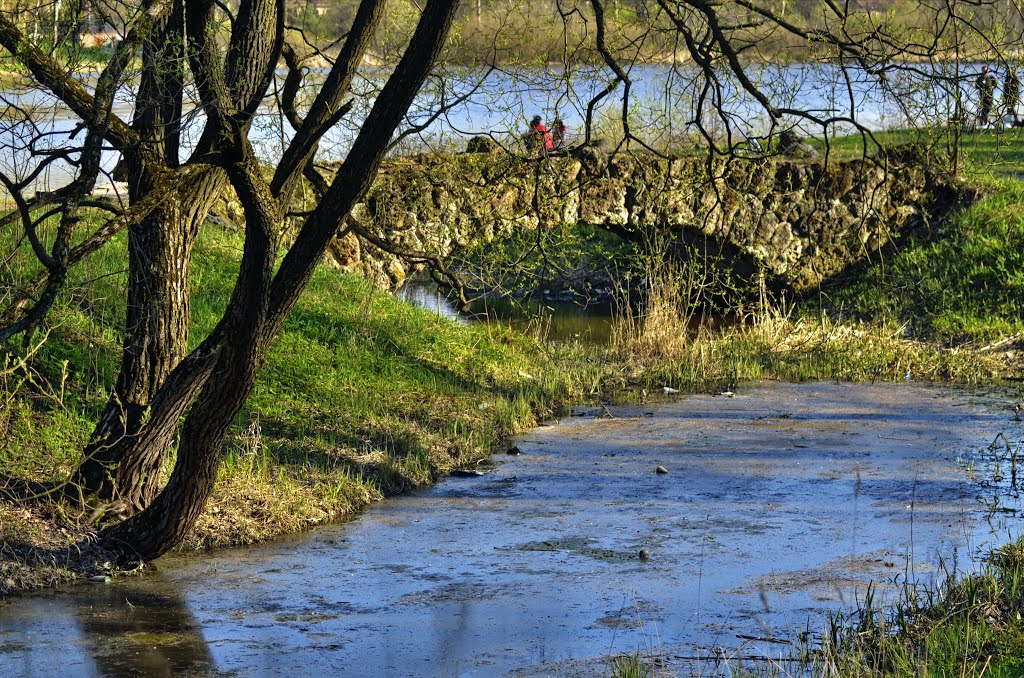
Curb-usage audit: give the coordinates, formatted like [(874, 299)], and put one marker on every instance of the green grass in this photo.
[(990, 151), (968, 625), (629, 666), (959, 281), (362, 395)]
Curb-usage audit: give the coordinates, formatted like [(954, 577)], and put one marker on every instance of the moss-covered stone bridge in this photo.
[(796, 222)]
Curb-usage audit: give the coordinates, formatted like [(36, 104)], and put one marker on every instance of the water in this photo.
[(663, 101), (556, 320), (781, 504)]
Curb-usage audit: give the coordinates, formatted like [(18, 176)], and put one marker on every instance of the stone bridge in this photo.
[(796, 222)]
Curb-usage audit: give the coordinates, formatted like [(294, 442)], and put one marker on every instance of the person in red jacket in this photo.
[(541, 134)]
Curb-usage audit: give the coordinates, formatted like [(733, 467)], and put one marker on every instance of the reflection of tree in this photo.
[(141, 631)]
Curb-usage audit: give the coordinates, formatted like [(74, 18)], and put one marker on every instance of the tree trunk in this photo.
[(239, 358), (168, 518), (262, 300), (115, 466)]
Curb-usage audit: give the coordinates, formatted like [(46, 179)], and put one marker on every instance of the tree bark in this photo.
[(237, 363), (115, 466)]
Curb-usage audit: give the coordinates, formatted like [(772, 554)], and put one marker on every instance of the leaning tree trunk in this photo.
[(237, 359), (167, 519), (262, 299), (115, 466)]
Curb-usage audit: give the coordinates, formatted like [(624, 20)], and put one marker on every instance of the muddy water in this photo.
[(780, 505)]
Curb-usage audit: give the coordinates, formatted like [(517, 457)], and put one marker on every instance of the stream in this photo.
[(555, 320), (780, 504)]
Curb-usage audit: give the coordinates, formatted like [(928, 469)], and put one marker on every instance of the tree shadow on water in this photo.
[(141, 632)]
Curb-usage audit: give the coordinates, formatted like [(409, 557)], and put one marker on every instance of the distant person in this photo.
[(986, 84), (558, 133), (540, 134), (1011, 96)]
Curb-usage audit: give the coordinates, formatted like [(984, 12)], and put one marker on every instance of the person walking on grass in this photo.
[(1011, 96), (986, 84)]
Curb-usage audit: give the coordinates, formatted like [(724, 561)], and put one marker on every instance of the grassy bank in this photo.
[(362, 397), (966, 626)]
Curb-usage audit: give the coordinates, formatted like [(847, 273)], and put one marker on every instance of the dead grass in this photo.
[(40, 550), (669, 345)]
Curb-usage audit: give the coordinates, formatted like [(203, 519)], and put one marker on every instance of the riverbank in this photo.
[(365, 397)]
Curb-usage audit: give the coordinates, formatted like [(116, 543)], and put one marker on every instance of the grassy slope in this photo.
[(362, 396), (964, 280)]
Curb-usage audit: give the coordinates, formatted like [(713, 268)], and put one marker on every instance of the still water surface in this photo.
[(781, 503), (580, 320)]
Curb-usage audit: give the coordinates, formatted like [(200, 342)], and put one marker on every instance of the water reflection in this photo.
[(421, 291), (556, 320), (129, 628)]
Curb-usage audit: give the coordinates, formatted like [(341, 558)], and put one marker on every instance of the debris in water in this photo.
[(661, 470), (669, 389), (644, 554), (99, 579), (514, 450)]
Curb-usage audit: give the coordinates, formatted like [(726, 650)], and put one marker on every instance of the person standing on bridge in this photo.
[(540, 134), (558, 132)]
